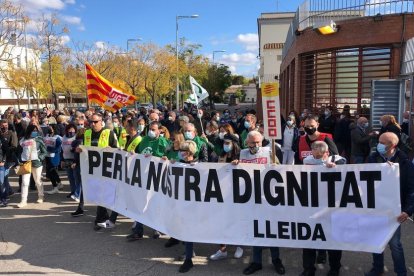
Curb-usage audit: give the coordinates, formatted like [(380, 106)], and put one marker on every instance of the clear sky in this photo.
[(229, 25)]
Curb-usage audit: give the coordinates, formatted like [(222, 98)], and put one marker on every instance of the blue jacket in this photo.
[(406, 178), (55, 160)]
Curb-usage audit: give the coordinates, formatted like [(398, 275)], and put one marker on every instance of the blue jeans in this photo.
[(257, 253), (74, 185), (397, 253), (3, 189), (7, 167)]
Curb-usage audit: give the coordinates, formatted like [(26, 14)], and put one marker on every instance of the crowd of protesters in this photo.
[(51, 139)]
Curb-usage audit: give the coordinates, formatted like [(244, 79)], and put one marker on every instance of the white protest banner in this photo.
[(350, 207), (271, 110)]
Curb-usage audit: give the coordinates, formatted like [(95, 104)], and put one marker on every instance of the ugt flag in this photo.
[(199, 93), (104, 93)]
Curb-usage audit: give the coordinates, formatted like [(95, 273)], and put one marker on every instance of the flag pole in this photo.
[(86, 87), (273, 151)]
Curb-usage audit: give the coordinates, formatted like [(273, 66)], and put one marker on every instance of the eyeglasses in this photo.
[(80, 125), (94, 122)]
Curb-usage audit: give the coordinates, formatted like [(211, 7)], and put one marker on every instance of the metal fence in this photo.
[(313, 13)]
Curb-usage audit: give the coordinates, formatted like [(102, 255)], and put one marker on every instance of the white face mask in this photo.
[(221, 135), (151, 134)]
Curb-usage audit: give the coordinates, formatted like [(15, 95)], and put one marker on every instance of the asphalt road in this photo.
[(43, 239)]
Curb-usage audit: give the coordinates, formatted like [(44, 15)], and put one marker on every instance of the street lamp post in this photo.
[(177, 88), (217, 51), (129, 62)]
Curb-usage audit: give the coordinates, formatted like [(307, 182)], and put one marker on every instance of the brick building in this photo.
[(338, 69)]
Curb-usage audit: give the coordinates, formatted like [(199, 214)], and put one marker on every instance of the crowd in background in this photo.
[(50, 139)]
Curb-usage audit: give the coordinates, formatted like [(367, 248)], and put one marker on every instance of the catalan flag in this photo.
[(104, 93)]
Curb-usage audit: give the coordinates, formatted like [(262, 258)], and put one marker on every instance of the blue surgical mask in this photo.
[(227, 148), (381, 148), (247, 124), (188, 135), (254, 150), (180, 156), (34, 134)]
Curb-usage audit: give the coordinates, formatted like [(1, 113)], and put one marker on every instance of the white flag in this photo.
[(199, 93)]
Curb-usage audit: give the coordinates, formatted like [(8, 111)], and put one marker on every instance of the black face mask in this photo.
[(310, 130)]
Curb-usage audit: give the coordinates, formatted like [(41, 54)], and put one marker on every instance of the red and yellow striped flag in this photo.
[(104, 93)]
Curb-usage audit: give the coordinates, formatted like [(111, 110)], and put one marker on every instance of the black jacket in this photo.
[(360, 142), (406, 178)]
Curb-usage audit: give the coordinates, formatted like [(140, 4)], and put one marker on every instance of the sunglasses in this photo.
[(94, 122)]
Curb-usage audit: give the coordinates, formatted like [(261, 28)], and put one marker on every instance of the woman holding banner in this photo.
[(231, 151)]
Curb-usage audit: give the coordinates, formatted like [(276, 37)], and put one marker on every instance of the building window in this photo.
[(342, 77)]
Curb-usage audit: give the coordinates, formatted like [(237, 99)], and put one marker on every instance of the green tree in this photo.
[(218, 80)]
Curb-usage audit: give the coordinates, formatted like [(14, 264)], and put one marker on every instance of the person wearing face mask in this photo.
[(151, 145), (256, 154), (153, 117), (120, 132), (190, 134), (171, 122), (68, 158), (32, 148), (327, 121), (321, 156), (230, 152), (53, 143), (312, 134), (226, 119), (131, 146), (141, 127), (289, 141), (249, 125), (388, 152), (9, 141), (213, 141), (360, 141)]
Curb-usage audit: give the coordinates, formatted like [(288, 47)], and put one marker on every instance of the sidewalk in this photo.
[(44, 239)]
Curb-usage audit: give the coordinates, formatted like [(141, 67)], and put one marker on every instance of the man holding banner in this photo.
[(387, 151), (255, 153), (97, 136)]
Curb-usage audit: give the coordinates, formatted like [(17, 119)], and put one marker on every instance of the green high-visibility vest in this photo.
[(122, 139)]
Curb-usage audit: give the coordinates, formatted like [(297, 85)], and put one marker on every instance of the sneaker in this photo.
[(277, 264), (171, 242), (69, 195), (239, 252), (186, 266), (182, 257), (134, 237), (96, 227), (252, 268), (3, 203), (219, 255), (134, 224), (60, 186), (107, 224), (75, 198), (55, 190), (22, 204), (40, 199), (77, 213)]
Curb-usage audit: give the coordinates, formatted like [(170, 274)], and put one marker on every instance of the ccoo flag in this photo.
[(199, 93), (104, 93)]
